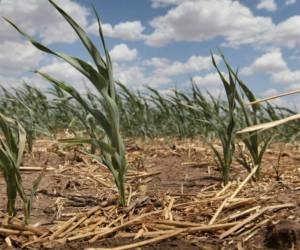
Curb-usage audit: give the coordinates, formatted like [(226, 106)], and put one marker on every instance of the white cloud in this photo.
[(273, 64), (287, 77), (270, 62), (286, 33), (15, 57), (164, 3), (294, 87), (165, 67), (121, 52), (131, 76), (290, 2), (127, 30), (209, 80), (157, 71), (208, 19), (137, 77), (157, 62), (269, 5), (203, 20), (270, 92), (41, 18)]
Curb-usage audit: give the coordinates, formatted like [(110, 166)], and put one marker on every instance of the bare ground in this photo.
[(179, 182)]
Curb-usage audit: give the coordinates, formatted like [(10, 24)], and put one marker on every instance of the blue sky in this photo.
[(162, 43)]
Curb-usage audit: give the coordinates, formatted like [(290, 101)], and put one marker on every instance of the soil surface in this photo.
[(162, 172)]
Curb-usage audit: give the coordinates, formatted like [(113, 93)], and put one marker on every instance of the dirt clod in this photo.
[(284, 235)]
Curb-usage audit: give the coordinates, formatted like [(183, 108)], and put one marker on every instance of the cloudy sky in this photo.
[(161, 43)]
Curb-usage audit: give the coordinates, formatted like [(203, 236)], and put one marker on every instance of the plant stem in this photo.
[(225, 174)]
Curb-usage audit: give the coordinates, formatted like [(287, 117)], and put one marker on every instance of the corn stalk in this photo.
[(12, 146), (101, 77)]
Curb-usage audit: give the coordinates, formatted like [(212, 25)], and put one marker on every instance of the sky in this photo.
[(160, 43)]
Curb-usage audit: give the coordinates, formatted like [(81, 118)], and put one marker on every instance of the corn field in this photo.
[(235, 130)]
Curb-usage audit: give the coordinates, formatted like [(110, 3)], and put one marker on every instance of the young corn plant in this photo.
[(256, 144), (90, 127), (31, 108), (60, 106), (12, 146), (207, 108), (225, 125), (181, 114), (101, 77), (136, 114)]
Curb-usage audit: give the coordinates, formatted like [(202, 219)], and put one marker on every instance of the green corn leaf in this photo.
[(85, 40), (69, 89), (86, 69)]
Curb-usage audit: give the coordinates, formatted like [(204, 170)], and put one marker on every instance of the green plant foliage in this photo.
[(225, 126), (12, 146), (101, 78)]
